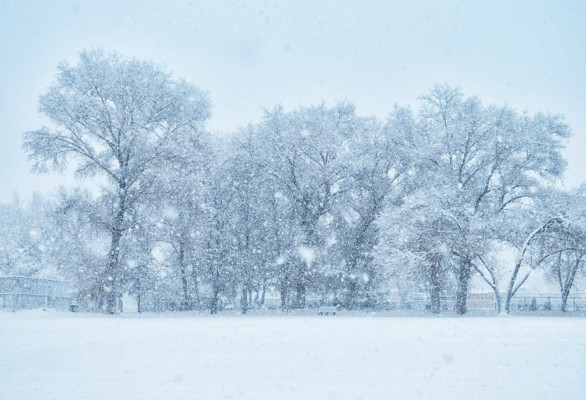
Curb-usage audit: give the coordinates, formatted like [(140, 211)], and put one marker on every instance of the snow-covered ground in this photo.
[(53, 355)]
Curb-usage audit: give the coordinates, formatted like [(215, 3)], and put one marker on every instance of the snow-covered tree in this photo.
[(26, 237), (557, 244), (303, 154), (117, 118), (81, 243), (382, 167), (488, 162)]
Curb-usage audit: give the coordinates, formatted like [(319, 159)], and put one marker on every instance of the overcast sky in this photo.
[(251, 55)]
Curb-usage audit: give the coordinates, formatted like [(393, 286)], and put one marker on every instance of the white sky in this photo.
[(254, 54)]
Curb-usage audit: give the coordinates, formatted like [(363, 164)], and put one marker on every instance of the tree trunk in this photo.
[(512, 288), (285, 289), (435, 286), (244, 300), (284, 295), (300, 289), (139, 302), (186, 304), (195, 280), (113, 271), (499, 300), (300, 294), (351, 294), (214, 300), (463, 282), (569, 283), (111, 284), (263, 293), (565, 295)]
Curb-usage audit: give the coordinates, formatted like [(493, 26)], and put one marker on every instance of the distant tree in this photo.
[(80, 243), (568, 262), (178, 202), (480, 173), (382, 167), (265, 215), (558, 246), (118, 118), (415, 246), (220, 246), (485, 162), (251, 224), (303, 155), (26, 234)]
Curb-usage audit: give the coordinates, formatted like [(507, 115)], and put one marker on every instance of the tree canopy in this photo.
[(308, 206)]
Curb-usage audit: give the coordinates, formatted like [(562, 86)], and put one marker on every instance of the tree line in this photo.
[(315, 202)]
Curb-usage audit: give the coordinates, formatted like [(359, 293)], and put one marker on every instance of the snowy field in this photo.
[(53, 355)]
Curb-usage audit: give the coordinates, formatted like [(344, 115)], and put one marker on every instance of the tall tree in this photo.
[(382, 167), (303, 154), (486, 162), (557, 244), (118, 118)]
